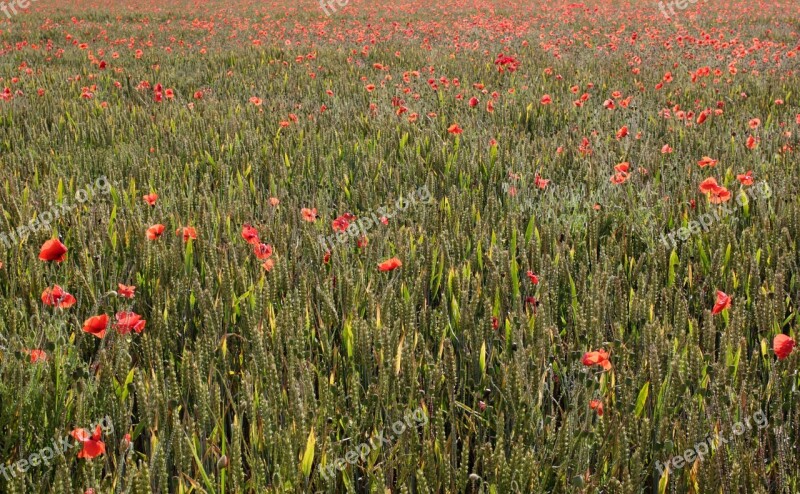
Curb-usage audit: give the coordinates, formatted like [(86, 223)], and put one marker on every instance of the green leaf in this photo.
[(673, 262), (308, 455), (483, 359), (642, 399)]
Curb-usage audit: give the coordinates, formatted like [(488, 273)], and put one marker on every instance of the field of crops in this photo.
[(401, 247)]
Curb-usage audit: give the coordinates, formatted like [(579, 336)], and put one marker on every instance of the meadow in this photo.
[(171, 323)]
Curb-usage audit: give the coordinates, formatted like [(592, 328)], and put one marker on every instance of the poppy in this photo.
[(534, 279), (53, 250), (722, 303), (274, 201), (255, 100), (155, 231), (706, 161), (754, 123), (708, 185), (597, 406), (390, 264), (125, 291), (309, 215), (719, 195), (745, 178), (262, 251), (546, 99), (540, 182), (37, 356), (129, 321), (622, 132), (326, 258), (751, 143), (473, 102), (57, 297), (341, 223), (188, 232), (150, 199), (600, 357), (96, 325), (268, 265), (92, 445), (621, 174), (782, 345), (250, 234), (455, 129)]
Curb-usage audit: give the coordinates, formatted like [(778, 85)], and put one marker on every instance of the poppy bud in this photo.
[(222, 462)]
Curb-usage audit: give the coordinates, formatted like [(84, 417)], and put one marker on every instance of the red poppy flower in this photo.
[(600, 357), (268, 265), (666, 149), (745, 178), (546, 99), (326, 258), (155, 231), (341, 223), (455, 129), (37, 356), (92, 445), (708, 185), (622, 132), (782, 345), (129, 321), (754, 123), (706, 161), (125, 291), (255, 100), (390, 264), (274, 201), (621, 174), (53, 250), (262, 251), (597, 406), (250, 234), (751, 143), (534, 279), (150, 199), (309, 215), (96, 325), (719, 195), (188, 232), (540, 182), (57, 297), (473, 102), (722, 303)]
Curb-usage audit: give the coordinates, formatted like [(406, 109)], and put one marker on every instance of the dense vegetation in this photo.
[(516, 171)]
